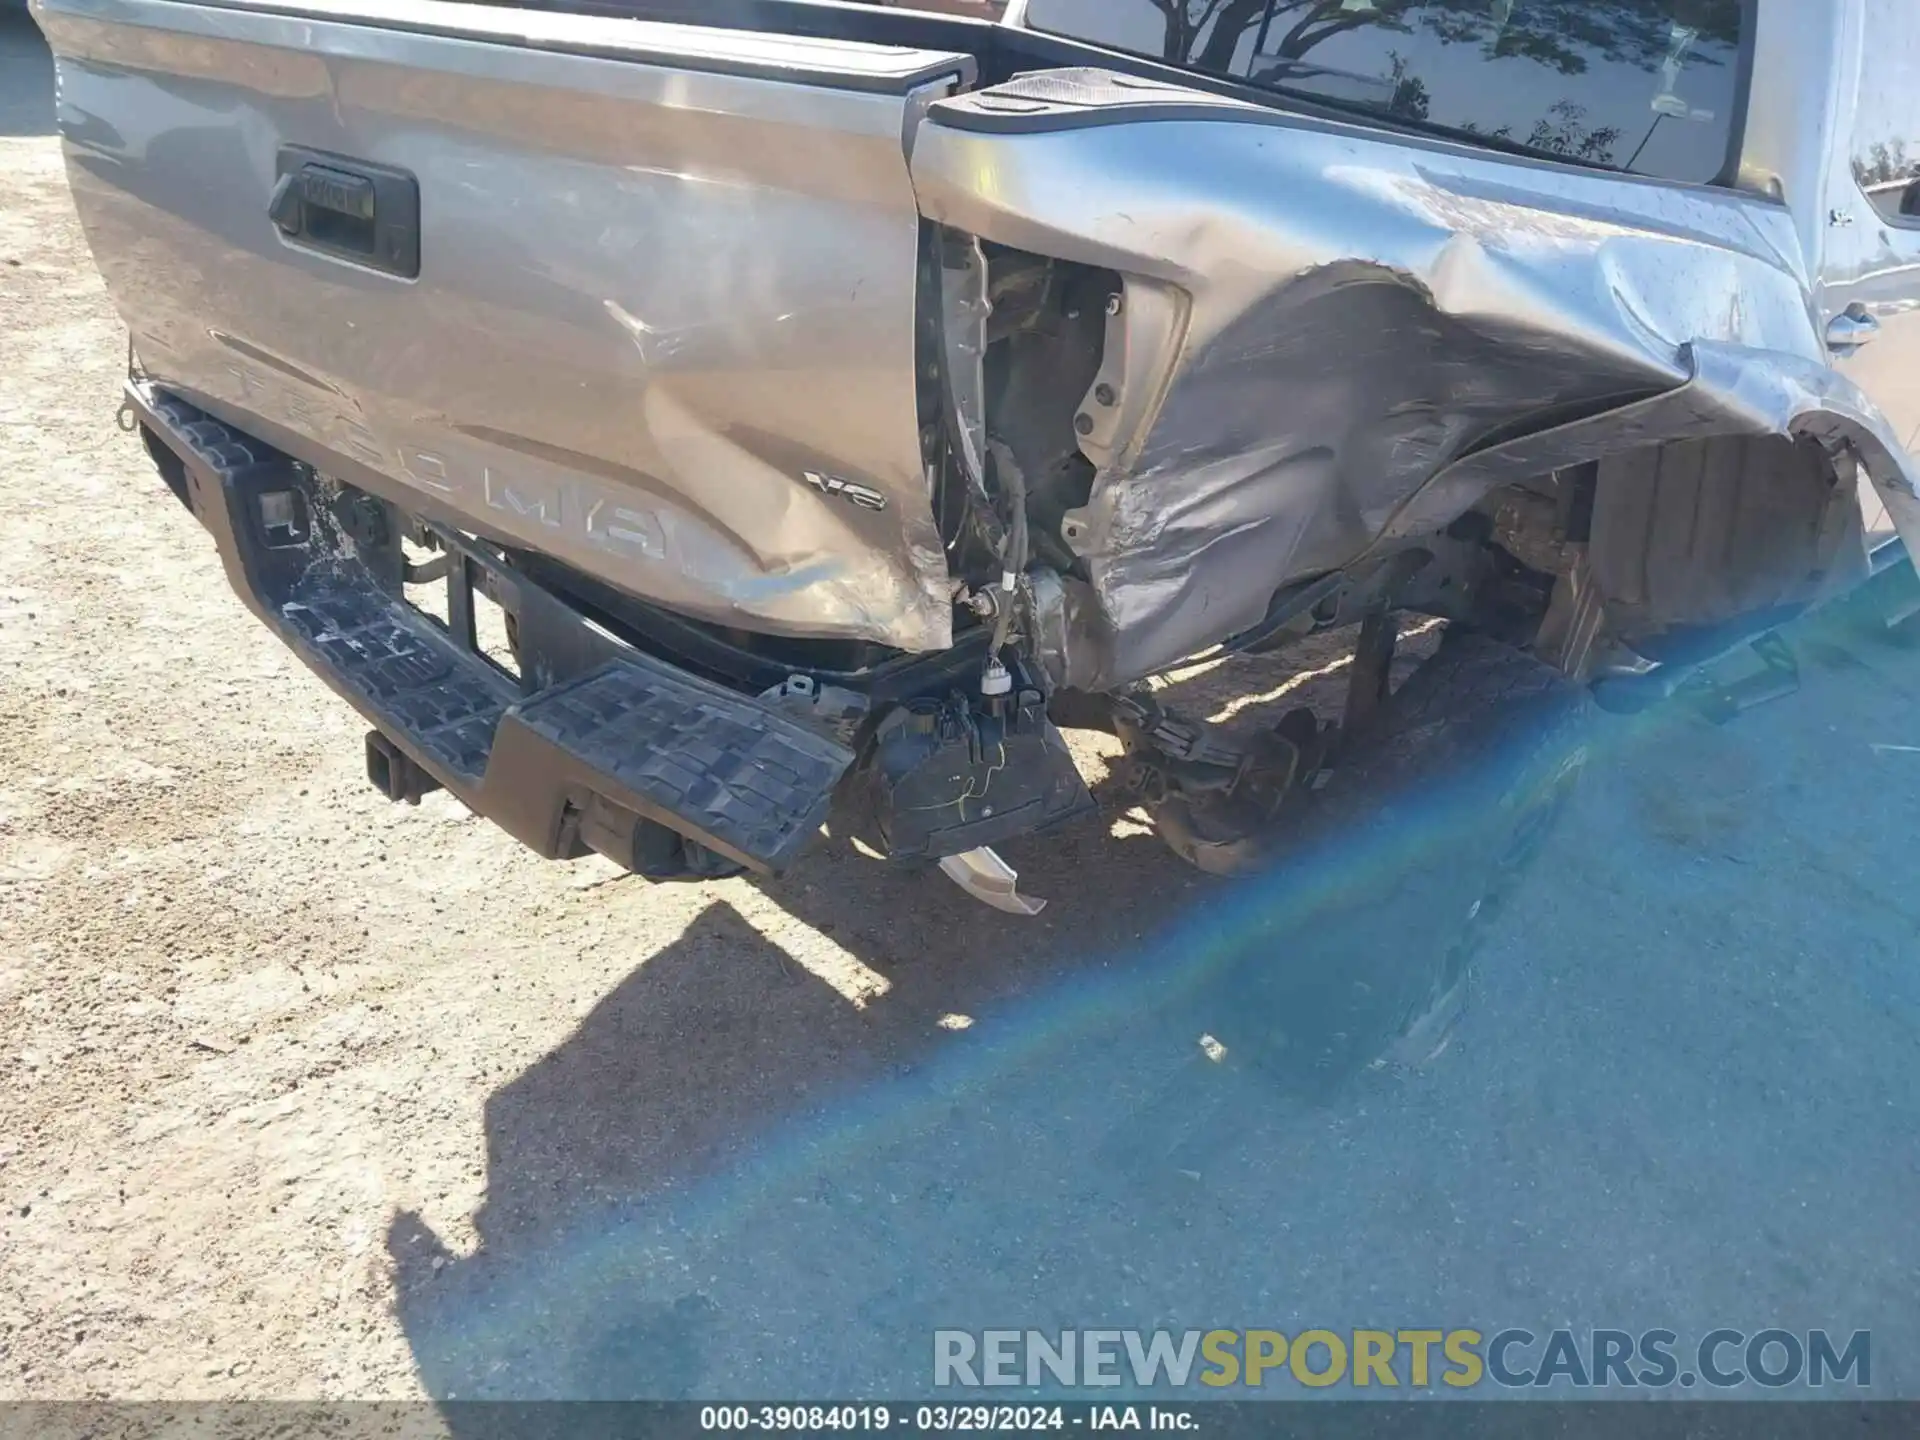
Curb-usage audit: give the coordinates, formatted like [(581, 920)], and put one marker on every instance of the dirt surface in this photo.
[(304, 1094)]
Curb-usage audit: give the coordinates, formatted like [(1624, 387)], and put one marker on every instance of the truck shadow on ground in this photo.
[(723, 1039), (729, 1175), (694, 1060)]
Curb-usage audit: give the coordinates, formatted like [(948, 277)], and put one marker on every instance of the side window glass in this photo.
[(1886, 136)]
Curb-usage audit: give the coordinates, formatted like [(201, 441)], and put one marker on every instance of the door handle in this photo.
[(1850, 329)]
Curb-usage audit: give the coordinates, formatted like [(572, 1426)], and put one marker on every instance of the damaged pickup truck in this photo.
[(838, 399)]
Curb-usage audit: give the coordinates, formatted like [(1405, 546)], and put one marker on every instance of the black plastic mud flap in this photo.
[(585, 762), (948, 776)]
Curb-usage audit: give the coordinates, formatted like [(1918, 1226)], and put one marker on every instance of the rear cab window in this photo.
[(1886, 126), (1651, 87)]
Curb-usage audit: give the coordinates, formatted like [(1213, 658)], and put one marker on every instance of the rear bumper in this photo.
[(604, 742)]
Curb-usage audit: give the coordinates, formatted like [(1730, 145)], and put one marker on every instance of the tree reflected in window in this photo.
[(1886, 137), (1646, 85)]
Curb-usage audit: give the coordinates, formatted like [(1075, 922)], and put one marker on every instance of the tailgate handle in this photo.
[(350, 209)]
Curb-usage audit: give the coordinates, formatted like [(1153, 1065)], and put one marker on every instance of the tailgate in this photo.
[(632, 294)]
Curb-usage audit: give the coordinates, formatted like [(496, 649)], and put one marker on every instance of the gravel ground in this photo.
[(302, 1094)]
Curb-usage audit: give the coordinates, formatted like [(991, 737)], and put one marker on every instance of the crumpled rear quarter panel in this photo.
[(1355, 335)]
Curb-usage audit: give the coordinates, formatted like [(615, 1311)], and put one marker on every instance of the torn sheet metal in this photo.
[(1377, 330)]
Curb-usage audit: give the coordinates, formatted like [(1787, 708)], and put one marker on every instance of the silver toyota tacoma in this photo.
[(837, 399)]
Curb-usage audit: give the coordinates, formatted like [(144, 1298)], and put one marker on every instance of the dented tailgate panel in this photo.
[(665, 289)]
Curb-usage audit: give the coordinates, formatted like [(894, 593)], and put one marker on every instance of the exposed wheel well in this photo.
[(1664, 542)]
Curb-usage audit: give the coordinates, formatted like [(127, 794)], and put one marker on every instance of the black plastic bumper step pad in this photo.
[(739, 777), (412, 679), (721, 767)]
